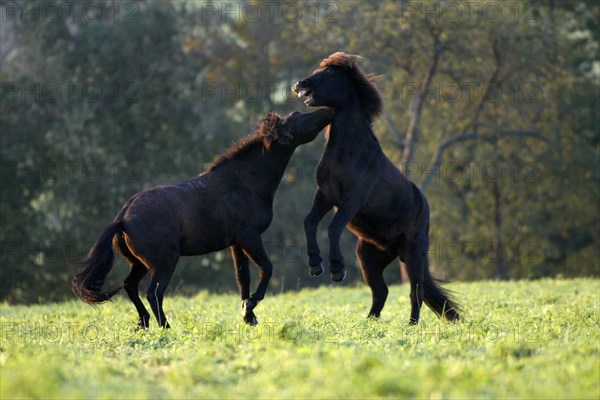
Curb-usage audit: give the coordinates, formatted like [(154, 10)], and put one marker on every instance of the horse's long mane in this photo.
[(368, 94), (265, 133)]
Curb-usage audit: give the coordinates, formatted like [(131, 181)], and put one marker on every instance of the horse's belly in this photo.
[(373, 230), (200, 246), (383, 229)]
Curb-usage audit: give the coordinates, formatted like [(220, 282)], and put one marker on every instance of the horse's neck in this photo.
[(350, 128), (263, 169), (274, 166)]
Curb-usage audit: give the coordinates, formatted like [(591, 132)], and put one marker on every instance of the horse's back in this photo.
[(168, 217)]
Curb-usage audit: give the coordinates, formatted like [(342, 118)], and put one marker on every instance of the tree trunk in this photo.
[(416, 105), (500, 272)]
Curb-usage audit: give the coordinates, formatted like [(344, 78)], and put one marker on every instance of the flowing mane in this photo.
[(265, 134), (368, 94)]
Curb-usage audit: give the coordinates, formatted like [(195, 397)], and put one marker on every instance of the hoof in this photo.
[(315, 270), (338, 270), (413, 322), (143, 323), (251, 320), (339, 275), (247, 306)]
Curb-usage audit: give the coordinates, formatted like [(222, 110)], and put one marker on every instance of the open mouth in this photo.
[(303, 92)]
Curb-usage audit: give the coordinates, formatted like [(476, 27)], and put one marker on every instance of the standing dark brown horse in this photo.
[(229, 205), (387, 212)]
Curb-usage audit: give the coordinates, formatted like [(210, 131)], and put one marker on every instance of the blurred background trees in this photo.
[(491, 107)]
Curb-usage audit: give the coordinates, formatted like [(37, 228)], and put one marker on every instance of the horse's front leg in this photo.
[(320, 207), (342, 218), (253, 247)]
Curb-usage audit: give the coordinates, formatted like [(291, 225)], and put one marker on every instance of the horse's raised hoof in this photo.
[(413, 322), (338, 270), (315, 270), (338, 276)]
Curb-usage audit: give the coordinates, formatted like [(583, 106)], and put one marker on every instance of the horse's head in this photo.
[(294, 129), (338, 80)]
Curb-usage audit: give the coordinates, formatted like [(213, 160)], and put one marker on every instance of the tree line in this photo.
[(491, 108)]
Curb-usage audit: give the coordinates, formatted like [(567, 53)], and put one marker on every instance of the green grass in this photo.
[(520, 339)]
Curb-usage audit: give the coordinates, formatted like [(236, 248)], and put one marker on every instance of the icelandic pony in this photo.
[(230, 205), (387, 212)]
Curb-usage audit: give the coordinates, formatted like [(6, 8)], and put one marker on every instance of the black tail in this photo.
[(439, 300), (87, 283)]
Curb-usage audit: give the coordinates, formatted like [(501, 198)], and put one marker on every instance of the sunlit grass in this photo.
[(519, 339)]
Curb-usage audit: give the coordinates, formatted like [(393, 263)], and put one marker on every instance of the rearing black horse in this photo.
[(387, 212), (229, 205)]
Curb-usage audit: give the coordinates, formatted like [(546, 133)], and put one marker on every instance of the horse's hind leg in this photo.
[(242, 275), (131, 283), (415, 263), (161, 275), (373, 261)]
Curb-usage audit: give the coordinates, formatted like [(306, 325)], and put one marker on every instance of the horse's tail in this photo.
[(438, 299), (87, 283)]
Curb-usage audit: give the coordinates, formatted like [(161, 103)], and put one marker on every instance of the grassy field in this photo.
[(520, 339)]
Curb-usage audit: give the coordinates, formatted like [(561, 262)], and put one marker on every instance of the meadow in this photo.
[(520, 339)]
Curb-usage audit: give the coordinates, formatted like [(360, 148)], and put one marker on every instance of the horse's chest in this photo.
[(335, 171), (332, 186), (337, 176)]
